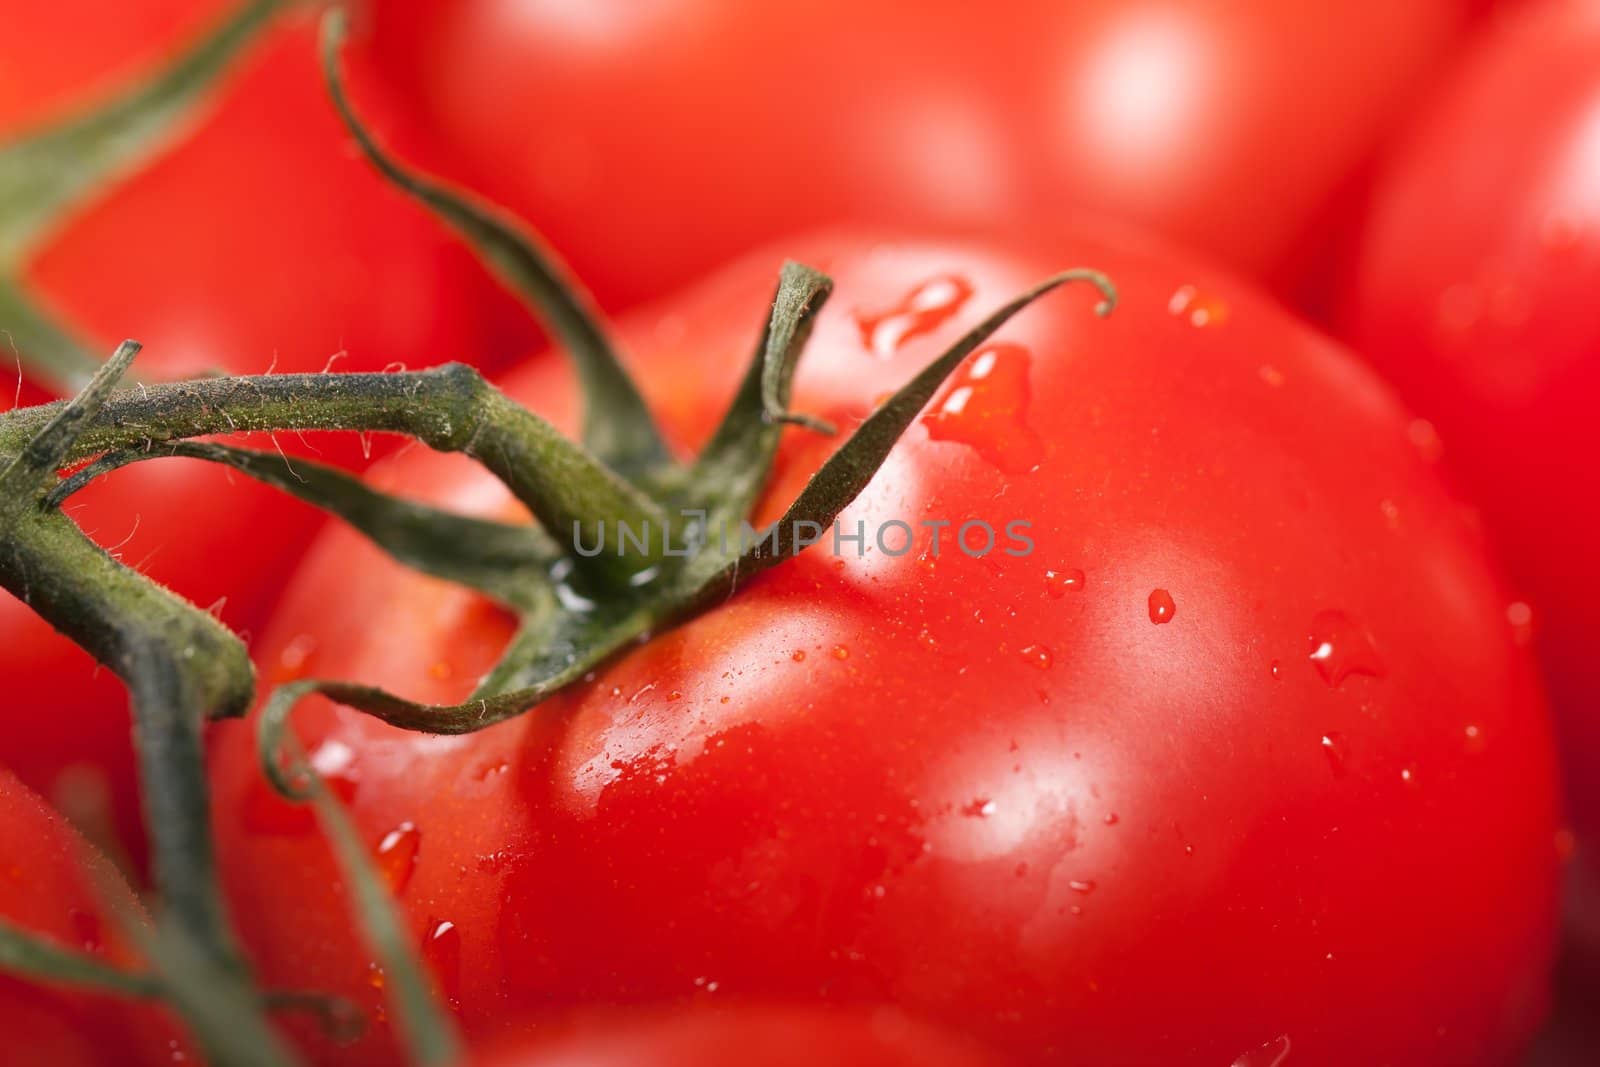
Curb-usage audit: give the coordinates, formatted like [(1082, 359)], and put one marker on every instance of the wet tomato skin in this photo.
[(258, 242), (1474, 293), (54, 886), (1024, 795)]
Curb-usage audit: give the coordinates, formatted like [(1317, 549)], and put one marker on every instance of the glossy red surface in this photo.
[(652, 139), (1475, 293), (997, 792)]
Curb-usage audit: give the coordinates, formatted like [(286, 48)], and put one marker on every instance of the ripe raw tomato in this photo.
[(1245, 751), (771, 1036), (60, 55), (259, 242), (52, 885), (652, 139), (1475, 293)]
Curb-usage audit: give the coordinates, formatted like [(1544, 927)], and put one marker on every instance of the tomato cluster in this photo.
[(1261, 731)]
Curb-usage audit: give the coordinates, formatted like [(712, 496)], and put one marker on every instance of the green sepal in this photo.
[(507, 562), (549, 654), (222, 1011), (180, 666), (618, 427), (846, 473), (449, 408), (732, 469), (48, 448)]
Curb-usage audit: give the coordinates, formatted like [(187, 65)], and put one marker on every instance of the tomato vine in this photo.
[(182, 667)]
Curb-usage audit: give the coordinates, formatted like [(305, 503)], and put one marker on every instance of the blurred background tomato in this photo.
[(1474, 289), (651, 139)]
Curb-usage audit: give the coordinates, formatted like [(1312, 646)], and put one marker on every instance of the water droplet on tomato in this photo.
[(334, 759), (490, 769), (980, 808), (1037, 656), (266, 811), (1474, 738), (294, 661), (926, 639), (985, 405), (1334, 747), (496, 861), (441, 951), (1340, 647), (798, 655), (1408, 774), (1080, 886), (561, 573), (1276, 670), (1161, 607), (1273, 1054), (710, 985), (1112, 818), (922, 310), (1059, 583), (1200, 311), (396, 856), (840, 652)]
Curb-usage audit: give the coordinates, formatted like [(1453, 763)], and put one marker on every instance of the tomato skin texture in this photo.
[(992, 792), (770, 1035), (51, 885), (1474, 293), (1231, 125), (260, 242)]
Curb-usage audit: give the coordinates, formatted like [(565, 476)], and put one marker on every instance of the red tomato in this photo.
[(52, 885), (652, 140), (775, 1036), (1245, 752), (261, 242), (104, 45), (1475, 293)]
